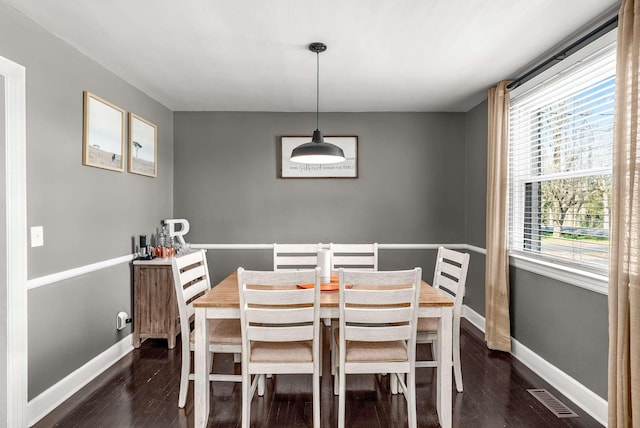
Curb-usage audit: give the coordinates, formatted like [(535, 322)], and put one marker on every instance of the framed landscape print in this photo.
[(103, 133), (346, 169), (142, 146)]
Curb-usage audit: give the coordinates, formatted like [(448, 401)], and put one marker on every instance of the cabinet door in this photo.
[(155, 304)]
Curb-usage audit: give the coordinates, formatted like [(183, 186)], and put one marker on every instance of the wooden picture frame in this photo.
[(143, 146), (103, 133), (346, 169)]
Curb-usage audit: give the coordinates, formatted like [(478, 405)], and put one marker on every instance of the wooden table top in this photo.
[(225, 295)]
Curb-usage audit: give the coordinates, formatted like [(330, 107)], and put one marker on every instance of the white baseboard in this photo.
[(582, 396), (48, 400)]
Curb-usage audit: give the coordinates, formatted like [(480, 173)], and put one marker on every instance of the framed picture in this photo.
[(346, 169), (143, 150), (103, 133)]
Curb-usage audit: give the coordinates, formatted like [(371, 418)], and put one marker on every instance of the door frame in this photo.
[(16, 243)]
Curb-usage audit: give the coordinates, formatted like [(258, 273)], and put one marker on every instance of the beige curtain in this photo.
[(497, 328), (624, 281)]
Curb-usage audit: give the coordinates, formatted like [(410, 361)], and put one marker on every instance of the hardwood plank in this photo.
[(141, 390)]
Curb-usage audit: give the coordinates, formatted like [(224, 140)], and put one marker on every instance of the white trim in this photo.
[(580, 278), (380, 246), (589, 401), (574, 58), (473, 317), (577, 277), (474, 248), (233, 246), (16, 241), (48, 400), (419, 246), (59, 276)]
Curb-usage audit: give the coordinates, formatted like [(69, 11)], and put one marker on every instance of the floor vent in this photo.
[(556, 406)]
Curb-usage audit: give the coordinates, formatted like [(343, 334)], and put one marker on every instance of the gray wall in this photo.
[(408, 190), (564, 324), (89, 214), (475, 166)]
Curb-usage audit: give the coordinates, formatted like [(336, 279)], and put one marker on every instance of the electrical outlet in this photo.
[(37, 236), (121, 320)]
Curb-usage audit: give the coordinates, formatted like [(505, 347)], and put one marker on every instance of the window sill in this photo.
[(588, 280)]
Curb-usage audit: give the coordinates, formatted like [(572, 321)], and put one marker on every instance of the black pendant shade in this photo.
[(317, 151)]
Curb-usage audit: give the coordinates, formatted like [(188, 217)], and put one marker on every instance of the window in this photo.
[(560, 156)]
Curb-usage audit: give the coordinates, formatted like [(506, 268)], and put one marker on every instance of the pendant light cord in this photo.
[(317, 90)]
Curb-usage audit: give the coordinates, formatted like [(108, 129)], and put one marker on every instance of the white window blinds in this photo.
[(560, 153)]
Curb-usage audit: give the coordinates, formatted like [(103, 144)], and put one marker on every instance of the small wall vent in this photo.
[(556, 406)]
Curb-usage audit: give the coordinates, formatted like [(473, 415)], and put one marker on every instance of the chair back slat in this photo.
[(379, 278), (188, 259), (354, 256), (277, 297), (377, 334), (194, 290), (450, 269), (383, 316), (448, 284), (295, 256), (378, 295), (452, 255), (279, 316), (280, 334), (197, 271)]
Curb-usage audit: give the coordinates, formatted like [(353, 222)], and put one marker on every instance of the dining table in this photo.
[(223, 302)]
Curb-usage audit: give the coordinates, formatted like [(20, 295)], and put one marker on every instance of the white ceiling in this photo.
[(252, 55)]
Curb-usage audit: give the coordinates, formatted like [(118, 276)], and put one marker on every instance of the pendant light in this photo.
[(317, 151)]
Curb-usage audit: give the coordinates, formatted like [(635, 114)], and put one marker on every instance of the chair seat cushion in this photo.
[(427, 324), (225, 331), (362, 352), (281, 352)]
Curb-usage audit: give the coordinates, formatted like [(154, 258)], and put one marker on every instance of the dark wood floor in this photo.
[(141, 390)]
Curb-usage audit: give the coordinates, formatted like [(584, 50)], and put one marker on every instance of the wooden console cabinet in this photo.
[(155, 311)]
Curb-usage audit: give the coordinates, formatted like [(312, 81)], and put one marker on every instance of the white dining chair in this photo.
[(280, 324), (350, 256), (450, 276), (295, 256), (377, 332), (191, 280)]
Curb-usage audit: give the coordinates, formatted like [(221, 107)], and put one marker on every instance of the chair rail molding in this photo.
[(71, 273)]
